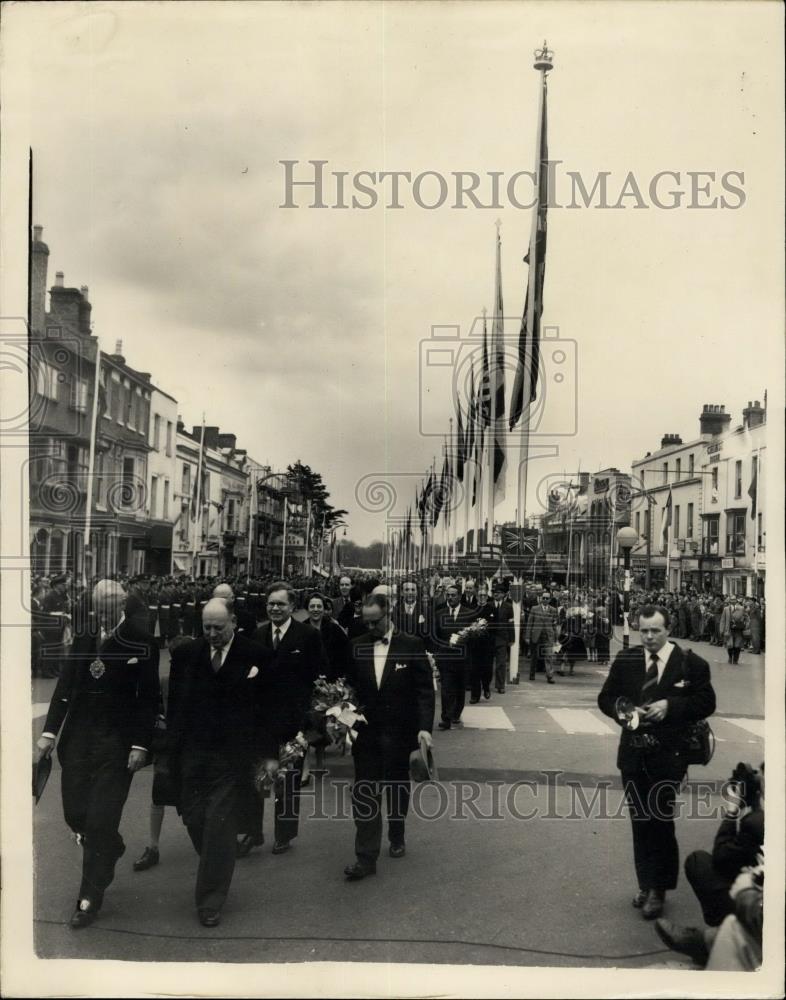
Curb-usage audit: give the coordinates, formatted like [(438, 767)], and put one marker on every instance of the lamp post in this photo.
[(626, 539)]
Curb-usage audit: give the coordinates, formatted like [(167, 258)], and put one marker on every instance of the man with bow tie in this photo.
[(105, 701), (218, 745), (392, 680), (293, 656), (669, 688)]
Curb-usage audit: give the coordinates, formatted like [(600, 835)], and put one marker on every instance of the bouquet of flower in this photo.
[(473, 631), (333, 715)]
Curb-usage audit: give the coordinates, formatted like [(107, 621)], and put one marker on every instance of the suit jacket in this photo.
[(403, 704), (125, 694), (290, 672), (541, 626), (336, 645), (218, 715), (443, 628), (686, 686), (500, 622), (417, 624)]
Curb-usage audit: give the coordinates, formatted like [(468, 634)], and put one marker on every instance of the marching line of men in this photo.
[(233, 700)]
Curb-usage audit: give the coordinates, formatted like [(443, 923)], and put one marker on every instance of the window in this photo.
[(115, 392), (759, 533), (46, 380), (691, 467), (128, 491), (169, 438), (185, 486), (126, 412), (78, 399), (710, 541), (715, 479), (689, 525), (677, 521), (679, 469), (737, 479), (638, 522), (98, 475), (230, 515), (165, 512), (157, 432), (647, 523), (735, 534), (665, 473), (153, 495)]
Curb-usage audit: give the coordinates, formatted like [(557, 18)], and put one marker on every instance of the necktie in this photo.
[(276, 638), (651, 680), (216, 661)]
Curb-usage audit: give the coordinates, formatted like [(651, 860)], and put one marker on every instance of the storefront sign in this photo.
[(727, 562)]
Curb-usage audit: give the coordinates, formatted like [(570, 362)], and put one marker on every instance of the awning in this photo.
[(180, 564)]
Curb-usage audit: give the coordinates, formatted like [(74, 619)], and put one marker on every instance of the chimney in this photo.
[(59, 279), (753, 415), (227, 441), (66, 306), (670, 441), (584, 478), (211, 436), (714, 420), (117, 354), (39, 253), (84, 311)]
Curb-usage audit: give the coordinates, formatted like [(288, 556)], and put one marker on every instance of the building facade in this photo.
[(161, 481)]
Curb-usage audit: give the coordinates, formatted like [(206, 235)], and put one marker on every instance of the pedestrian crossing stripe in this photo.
[(755, 726), (486, 717), (581, 720)]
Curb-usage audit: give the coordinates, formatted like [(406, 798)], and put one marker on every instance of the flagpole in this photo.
[(198, 511), (284, 539), (493, 377), (252, 488), (86, 546)]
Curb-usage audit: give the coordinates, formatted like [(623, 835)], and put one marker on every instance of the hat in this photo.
[(421, 764)]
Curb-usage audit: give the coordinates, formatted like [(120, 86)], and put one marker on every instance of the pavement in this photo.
[(484, 880)]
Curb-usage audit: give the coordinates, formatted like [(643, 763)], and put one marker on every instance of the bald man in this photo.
[(217, 745), (105, 702), (244, 621)]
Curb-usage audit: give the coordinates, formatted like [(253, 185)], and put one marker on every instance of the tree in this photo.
[(308, 485)]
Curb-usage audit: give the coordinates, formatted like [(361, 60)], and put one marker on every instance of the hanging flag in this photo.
[(665, 524), (753, 488), (485, 383), (525, 384), (439, 492), (498, 383), (460, 445), (469, 449)]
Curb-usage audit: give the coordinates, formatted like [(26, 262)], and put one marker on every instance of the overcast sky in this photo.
[(158, 131)]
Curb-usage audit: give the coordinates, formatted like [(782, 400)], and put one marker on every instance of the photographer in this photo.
[(737, 849)]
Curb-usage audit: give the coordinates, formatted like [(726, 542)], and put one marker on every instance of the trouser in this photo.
[(734, 654), (454, 685), (501, 661), (711, 888), (540, 652), (94, 785), (480, 670), (655, 849), (286, 808), (380, 767), (211, 809)]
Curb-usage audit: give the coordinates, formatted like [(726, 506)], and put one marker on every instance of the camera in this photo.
[(746, 781), (447, 360)]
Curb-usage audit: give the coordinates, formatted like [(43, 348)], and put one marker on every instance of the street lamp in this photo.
[(626, 539)]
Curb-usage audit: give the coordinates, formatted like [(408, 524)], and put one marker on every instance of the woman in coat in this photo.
[(733, 624), (334, 638)]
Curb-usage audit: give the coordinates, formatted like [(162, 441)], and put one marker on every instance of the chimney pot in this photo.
[(38, 232), (84, 290), (119, 347), (59, 279), (757, 403)]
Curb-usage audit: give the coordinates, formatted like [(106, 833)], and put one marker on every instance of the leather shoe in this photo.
[(281, 846), (688, 940), (245, 844), (486, 694), (653, 905), (356, 872), (474, 701), (209, 917), (149, 858), (84, 914), (640, 898), (550, 680), (444, 725), (397, 850)]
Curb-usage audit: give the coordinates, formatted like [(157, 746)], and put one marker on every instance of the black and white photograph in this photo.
[(391, 428)]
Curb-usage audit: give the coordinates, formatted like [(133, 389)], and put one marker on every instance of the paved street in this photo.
[(554, 890)]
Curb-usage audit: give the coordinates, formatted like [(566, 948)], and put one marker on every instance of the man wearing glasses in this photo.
[(293, 656), (392, 679)]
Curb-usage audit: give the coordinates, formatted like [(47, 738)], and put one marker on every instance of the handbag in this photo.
[(699, 743)]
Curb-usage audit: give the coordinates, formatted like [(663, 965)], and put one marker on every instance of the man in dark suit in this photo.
[(453, 660), (105, 701), (293, 656), (392, 679), (217, 745), (469, 598), (343, 600), (410, 615), (670, 688), (493, 648), (540, 633)]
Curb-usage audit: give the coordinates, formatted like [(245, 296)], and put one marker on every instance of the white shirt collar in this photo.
[(282, 629), (388, 635), (224, 650), (663, 655)]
